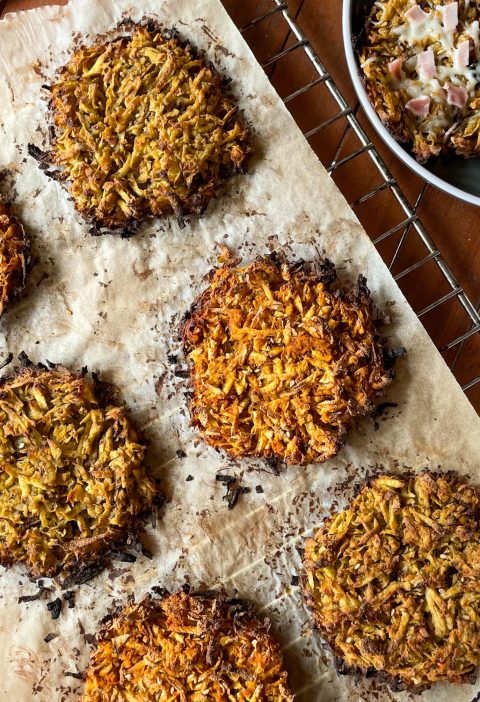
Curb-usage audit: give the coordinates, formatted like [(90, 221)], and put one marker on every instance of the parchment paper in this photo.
[(114, 305)]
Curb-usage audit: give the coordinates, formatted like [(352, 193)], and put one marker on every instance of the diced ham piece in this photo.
[(420, 106), (456, 95), (450, 16), (426, 68), (415, 15), (395, 68), (462, 54)]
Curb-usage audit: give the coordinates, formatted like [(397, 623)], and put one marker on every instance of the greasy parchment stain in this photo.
[(115, 306)]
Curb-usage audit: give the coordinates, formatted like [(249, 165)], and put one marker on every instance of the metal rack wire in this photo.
[(409, 222)]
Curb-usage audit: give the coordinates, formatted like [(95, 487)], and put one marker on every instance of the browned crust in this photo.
[(184, 644), (213, 317), (104, 193), (69, 443), (15, 257), (396, 683)]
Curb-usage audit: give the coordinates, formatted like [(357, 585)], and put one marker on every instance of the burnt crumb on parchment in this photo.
[(383, 407), (233, 489), (88, 638), (122, 556), (225, 479), (160, 591), (72, 674), (294, 581), (82, 576), (189, 478), (235, 494), (274, 464), (49, 637), (8, 359), (182, 373), (55, 607), (69, 598), (259, 489), (37, 596)]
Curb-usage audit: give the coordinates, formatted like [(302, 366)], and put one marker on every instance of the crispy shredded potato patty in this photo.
[(14, 256), (142, 127), (281, 363), (394, 580), (71, 474), (186, 647)]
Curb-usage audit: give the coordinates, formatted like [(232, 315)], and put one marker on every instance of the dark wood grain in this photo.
[(454, 226)]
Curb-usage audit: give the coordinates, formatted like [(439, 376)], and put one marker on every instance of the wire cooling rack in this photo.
[(343, 145)]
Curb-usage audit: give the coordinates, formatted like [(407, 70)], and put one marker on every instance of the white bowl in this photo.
[(454, 175)]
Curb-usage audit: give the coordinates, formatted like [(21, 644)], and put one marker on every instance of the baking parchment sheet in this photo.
[(115, 305)]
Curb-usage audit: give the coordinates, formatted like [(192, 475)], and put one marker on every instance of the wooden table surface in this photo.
[(453, 225)]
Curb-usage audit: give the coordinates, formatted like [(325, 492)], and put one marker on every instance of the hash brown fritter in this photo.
[(71, 475), (14, 256), (394, 580), (421, 71), (281, 362), (186, 647), (142, 127)]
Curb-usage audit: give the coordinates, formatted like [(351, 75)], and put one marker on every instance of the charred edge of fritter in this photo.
[(19, 277), (104, 392), (236, 605), (395, 684), (88, 565), (341, 667), (127, 228), (118, 547), (233, 607)]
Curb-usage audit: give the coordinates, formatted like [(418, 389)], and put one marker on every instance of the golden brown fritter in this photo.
[(394, 580), (281, 362), (71, 475), (14, 256), (401, 31), (186, 647), (143, 127)]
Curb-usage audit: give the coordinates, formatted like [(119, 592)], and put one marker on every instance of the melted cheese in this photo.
[(427, 33), (430, 30), (472, 29)]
